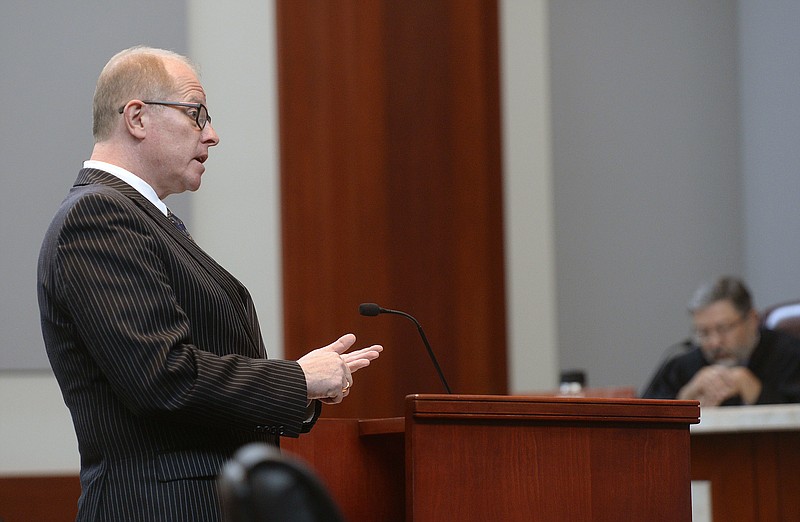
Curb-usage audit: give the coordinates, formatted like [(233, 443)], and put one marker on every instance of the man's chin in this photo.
[(194, 181)]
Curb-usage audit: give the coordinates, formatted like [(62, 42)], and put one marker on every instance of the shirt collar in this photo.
[(141, 186)]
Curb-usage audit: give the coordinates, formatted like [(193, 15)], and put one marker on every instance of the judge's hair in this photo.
[(726, 288)]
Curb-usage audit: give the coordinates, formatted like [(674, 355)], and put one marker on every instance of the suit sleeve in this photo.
[(113, 279), (674, 374)]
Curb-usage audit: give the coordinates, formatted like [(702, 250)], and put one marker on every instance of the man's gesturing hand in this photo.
[(329, 369)]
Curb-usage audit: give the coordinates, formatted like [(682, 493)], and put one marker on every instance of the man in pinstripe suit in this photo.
[(156, 347)]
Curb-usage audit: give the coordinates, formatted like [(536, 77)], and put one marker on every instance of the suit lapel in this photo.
[(232, 287)]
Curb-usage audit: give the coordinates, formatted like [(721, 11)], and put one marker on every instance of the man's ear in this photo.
[(133, 116)]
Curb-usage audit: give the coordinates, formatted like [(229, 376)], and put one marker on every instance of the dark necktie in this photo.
[(178, 223)]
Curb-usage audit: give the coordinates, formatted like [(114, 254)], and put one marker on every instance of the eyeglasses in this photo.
[(702, 335), (198, 112)]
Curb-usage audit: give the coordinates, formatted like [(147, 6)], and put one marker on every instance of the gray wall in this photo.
[(675, 129), (52, 53), (769, 65), (646, 174)]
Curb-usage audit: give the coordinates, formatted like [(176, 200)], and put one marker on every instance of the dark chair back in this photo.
[(260, 484)]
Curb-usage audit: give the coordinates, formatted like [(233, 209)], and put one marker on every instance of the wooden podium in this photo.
[(484, 457)]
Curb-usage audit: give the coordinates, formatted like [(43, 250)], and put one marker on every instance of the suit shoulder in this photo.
[(783, 341), (95, 195), (690, 361), (95, 211), (88, 202)]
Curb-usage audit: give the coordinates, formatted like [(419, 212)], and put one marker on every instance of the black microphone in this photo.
[(371, 310), (670, 353)]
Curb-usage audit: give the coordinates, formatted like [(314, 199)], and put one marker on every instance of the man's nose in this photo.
[(212, 138), (713, 341)]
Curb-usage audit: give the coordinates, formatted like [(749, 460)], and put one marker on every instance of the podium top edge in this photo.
[(521, 407), (561, 399)]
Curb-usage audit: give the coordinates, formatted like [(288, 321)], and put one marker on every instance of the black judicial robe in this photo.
[(775, 361)]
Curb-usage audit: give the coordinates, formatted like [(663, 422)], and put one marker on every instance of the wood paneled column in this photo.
[(391, 190)]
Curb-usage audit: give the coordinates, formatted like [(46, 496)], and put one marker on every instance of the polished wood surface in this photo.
[(391, 190), (754, 476), (34, 498), (364, 471), (475, 457)]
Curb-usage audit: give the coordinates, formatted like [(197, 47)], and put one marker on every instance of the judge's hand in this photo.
[(329, 370), (747, 385), (714, 384)]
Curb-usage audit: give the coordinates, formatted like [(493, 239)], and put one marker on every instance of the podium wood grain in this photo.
[(480, 457)]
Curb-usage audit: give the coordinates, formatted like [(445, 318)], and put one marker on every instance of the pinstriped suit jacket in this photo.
[(158, 354)]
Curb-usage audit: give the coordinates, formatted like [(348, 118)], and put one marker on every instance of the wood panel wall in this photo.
[(53, 498), (391, 190)]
